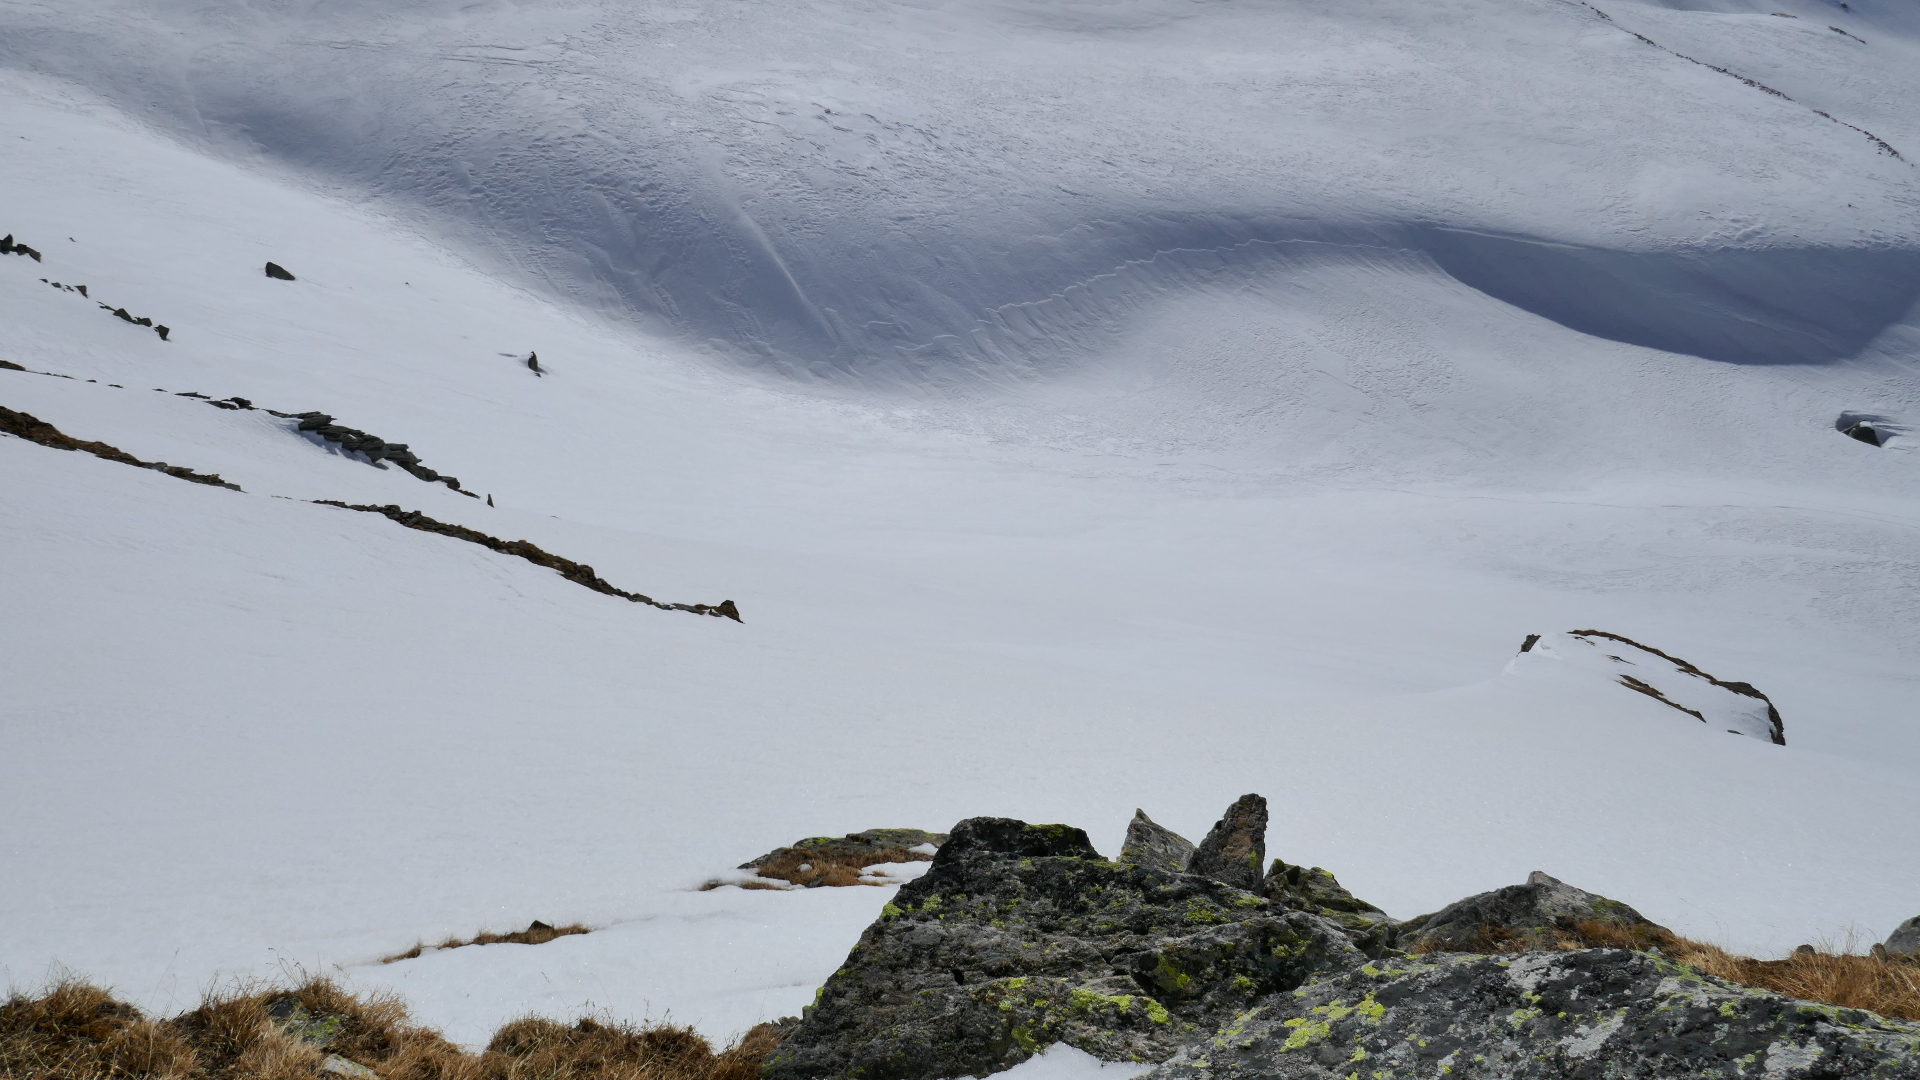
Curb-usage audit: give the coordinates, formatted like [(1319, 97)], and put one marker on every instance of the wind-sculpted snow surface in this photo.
[(983, 187)]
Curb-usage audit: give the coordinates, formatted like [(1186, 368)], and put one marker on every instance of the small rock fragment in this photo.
[(278, 272)]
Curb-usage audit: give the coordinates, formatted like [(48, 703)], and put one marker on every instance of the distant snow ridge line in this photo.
[(1737, 707), (578, 573)]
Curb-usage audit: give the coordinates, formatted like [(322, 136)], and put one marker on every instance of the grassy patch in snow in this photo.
[(538, 933), (317, 1031)]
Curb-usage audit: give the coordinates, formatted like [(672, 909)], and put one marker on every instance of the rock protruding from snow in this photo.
[(842, 860), (1905, 939), (1235, 850), (1517, 918), (1020, 936), (278, 272), (1734, 707), (1598, 1014), (1314, 890), (1154, 846)]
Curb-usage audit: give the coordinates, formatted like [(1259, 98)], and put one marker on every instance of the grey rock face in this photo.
[(1514, 919), (1153, 846), (1596, 1014), (1020, 936), (1235, 850), (1905, 940)]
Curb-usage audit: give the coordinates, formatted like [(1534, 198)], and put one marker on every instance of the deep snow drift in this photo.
[(1103, 405)]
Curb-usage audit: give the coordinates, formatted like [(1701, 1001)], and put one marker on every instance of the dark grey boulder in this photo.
[(1594, 1014), (1905, 939), (1536, 915), (1311, 889), (1235, 850), (1020, 936), (278, 272), (1154, 846)]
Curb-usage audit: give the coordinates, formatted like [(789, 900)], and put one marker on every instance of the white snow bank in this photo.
[(1063, 1062)]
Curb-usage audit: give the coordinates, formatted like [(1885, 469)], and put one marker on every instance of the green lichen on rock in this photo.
[(1036, 940)]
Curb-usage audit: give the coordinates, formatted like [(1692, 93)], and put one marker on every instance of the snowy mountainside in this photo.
[(1271, 513), (982, 186)]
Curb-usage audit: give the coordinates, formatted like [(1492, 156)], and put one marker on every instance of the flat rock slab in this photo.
[(1020, 936), (1595, 1014)]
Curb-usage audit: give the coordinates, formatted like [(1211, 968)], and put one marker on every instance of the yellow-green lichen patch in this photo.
[(1305, 1033), (1370, 1009), (891, 912), (1157, 1012)]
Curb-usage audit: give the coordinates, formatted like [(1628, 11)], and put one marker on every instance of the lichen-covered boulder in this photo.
[(1154, 846), (1235, 849), (1544, 913), (1311, 889), (1595, 1014), (1020, 936)]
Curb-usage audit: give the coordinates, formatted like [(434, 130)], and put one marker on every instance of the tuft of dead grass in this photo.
[(318, 1031), (538, 933), (1880, 984)]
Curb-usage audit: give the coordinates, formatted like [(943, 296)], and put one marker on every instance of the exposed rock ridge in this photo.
[(36, 430), (578, 573), (1778, 727), (376, 450), (1235, 849)]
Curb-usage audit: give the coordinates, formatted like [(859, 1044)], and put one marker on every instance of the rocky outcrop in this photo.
[(1303, 888), (1020, 936), (1905, 939), (1153, 846), (1544, 913), (278, 272), (1235, 850), (1594, 1014), (578, 573), (375, 450), (841, 860), (8, 247)]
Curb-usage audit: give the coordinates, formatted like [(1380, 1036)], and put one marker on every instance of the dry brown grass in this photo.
[(1890, 987), (538, 933), (75, 1031)]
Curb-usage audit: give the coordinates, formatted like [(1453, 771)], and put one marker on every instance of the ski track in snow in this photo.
[(1089, 405)]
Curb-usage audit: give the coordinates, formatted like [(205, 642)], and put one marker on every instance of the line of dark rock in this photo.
[(1778, 727), (578, 573), (1884, 146), (33, 429)]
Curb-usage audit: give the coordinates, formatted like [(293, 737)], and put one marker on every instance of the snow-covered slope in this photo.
[(1195, 399)]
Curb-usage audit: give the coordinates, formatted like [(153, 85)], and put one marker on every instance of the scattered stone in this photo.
[(1532, 640), (294, 1019), (278, 272), (1020, 936), (1595, 1014), (376, 450), (1235, 850), (1154, 847), (1540, 914), (339, 1066), (533, 363), (841, 860), (1805, 950), (1905, 939)]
